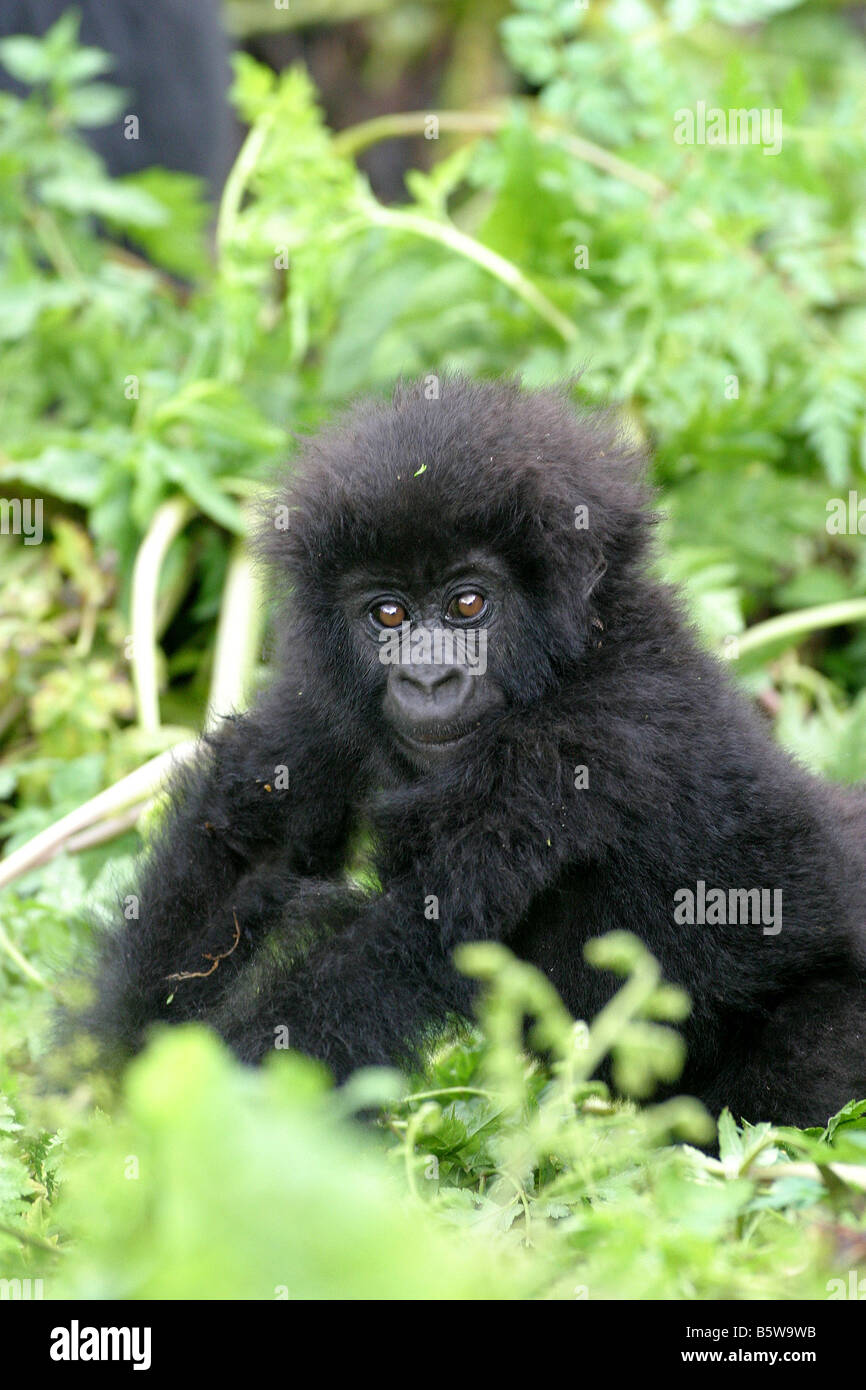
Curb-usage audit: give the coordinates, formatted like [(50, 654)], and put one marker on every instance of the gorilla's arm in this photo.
[(368, 995), (264, 803)]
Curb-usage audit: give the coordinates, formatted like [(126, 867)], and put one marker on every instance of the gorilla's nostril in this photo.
[(430, 679), (431, 694)]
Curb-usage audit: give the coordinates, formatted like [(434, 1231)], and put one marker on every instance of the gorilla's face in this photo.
[(429, 643)]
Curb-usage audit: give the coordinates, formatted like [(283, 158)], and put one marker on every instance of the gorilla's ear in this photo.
[(618, 543), (596, 494), (596, 520)]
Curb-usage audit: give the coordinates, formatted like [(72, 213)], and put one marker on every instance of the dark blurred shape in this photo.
[(339, 59), (172, 58)]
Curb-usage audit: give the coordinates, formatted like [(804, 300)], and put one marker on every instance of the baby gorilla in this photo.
[(476, 665)]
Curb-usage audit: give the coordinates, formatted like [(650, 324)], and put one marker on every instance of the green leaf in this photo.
[(730, 1141), (94, 105), (191, 475), (26, 59), (121, 203), (73, 475)]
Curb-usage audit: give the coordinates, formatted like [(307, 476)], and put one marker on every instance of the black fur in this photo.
[(589, 664)]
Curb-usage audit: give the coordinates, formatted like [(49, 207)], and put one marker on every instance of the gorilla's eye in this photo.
[(389, 614), (468, 605)]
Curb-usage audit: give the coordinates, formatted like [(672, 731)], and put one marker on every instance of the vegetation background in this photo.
[(494, 188)]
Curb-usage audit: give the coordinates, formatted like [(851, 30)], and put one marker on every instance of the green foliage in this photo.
[(496, 1177), (216, 1182)]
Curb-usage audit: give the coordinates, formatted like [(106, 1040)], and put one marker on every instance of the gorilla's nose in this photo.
[(430, 691)]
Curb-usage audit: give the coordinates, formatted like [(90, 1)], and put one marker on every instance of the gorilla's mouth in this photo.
[(439, 740)]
